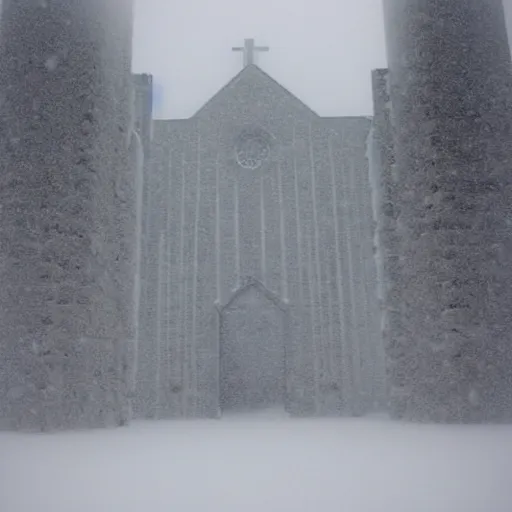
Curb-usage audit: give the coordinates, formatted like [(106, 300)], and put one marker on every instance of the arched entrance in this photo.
[(253, 369)]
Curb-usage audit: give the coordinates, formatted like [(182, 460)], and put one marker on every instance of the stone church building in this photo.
[(194, 267), (258, 282)]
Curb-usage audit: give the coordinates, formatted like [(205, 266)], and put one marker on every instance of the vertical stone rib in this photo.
[(316, 246), (340, 285), (263, 233), (360, 288), (193, 341), (218, 269), (384, 186), (236, 214), (355, 355), (282, 235), (379, 154), (159, 313), (298, 218), (451, 79), (182, 314), (167, 374), (141, 129), (316, 356), (138, 156), (316, 301)]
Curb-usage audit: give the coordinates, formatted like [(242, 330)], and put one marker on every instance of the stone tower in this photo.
[(67, 213), (450, 78)]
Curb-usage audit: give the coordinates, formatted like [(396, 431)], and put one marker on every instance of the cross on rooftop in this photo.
[(248, 50)]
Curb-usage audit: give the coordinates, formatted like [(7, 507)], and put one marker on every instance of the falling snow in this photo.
[(298, 278), (52, 63)]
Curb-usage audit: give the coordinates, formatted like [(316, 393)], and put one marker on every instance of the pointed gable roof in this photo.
[(251, 73)]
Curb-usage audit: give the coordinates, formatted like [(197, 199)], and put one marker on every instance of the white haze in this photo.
[(260, 464), (321, 50)]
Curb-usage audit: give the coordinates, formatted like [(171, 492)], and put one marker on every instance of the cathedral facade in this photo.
[(258, 282)]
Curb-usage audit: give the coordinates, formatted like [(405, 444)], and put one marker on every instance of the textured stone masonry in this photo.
[(66, 213), (450, 85)]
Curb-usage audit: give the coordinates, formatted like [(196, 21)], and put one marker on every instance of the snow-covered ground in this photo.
[(260, 464)]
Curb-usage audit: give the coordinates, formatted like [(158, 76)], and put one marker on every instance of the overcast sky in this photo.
[(322, 50)]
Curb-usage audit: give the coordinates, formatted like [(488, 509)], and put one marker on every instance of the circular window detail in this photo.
[(252, 149)]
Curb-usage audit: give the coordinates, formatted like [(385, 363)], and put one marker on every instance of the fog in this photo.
[(322, 51), (325, 300)]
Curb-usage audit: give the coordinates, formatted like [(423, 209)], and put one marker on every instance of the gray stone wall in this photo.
[(351, 152), (299, 225), (155, 187), (67, 212), (450, 76)]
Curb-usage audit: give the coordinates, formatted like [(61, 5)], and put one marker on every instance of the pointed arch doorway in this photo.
[(253, 351)]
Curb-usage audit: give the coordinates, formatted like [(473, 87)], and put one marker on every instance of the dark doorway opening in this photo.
[(252, 352)]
